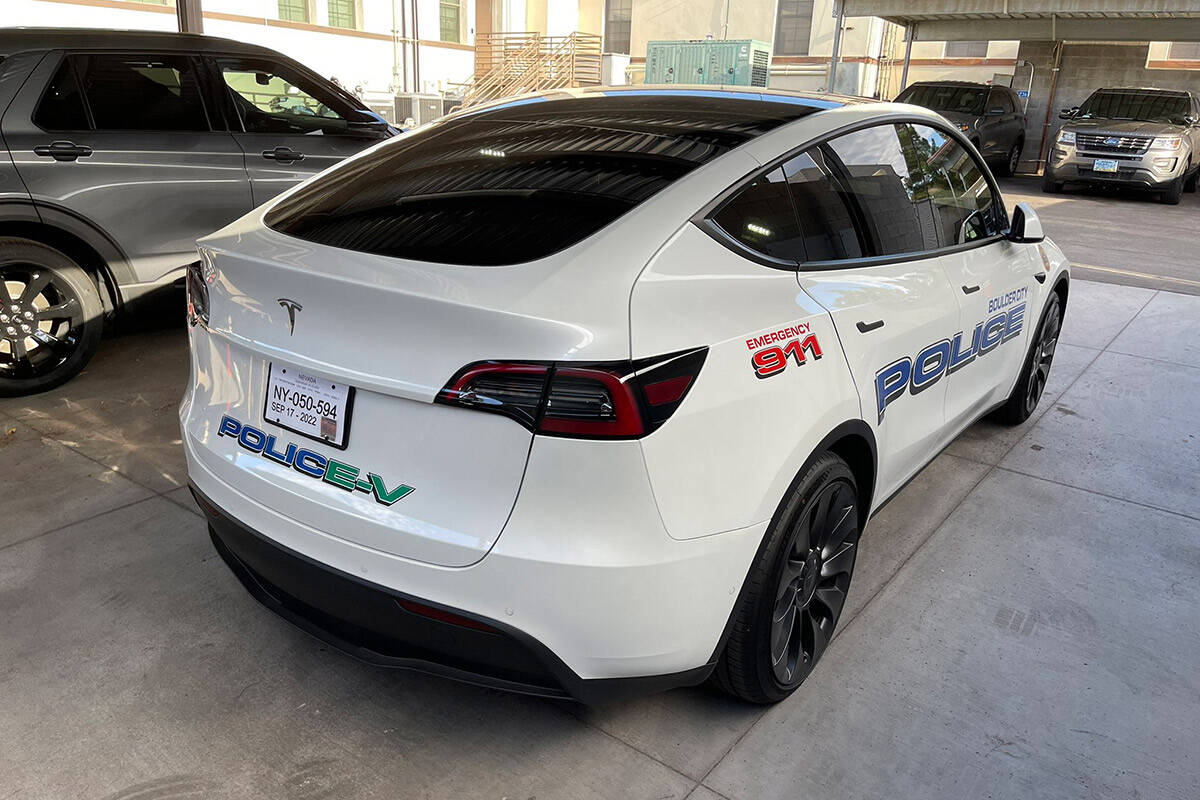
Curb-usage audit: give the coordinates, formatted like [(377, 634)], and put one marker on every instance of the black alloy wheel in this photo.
[(796, 589), (1036, 371), (1014, 158), (50, 317), (812, 586), (1043, 354)]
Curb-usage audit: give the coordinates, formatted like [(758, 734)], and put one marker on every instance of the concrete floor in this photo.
[(1022, 623), (1093, 226)]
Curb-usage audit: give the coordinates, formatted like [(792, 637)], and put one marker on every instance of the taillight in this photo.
[(603, 400)]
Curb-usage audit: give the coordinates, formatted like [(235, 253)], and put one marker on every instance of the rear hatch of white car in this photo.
[(365, 292)]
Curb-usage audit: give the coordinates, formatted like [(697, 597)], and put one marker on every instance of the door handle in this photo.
[(63, 150), (1040, 277), (867, 327), (284, 155), (970, 289)]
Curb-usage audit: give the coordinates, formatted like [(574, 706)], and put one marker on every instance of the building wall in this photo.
[(360, 58), (1085, 68)]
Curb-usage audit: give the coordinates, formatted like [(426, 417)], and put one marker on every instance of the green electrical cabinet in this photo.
[(715, 62)]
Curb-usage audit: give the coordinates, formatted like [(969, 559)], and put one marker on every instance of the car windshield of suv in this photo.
[(946, 99), (1136, 106)]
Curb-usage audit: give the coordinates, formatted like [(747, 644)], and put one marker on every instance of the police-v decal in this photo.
[(305, 461), (949, 355)]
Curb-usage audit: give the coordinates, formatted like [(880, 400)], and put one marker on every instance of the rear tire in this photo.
[(796, 590), (51, 317), (1173, 193), (1035, 371)]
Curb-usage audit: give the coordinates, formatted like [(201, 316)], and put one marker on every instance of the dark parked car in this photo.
[(119, 150), (1144, 138), (990, 116)]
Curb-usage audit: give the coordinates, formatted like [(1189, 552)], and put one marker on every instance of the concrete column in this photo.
[(190, 16)]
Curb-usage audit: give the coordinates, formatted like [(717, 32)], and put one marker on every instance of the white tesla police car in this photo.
[(592, 392)]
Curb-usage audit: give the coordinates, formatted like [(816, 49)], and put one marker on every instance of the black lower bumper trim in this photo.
[(369, 622)]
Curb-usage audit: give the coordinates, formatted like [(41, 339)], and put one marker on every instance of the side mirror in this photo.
[(1026, 227), (1068, 113), (995, 111)]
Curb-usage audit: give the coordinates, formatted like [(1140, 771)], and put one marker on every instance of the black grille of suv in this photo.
[(1103, 143)]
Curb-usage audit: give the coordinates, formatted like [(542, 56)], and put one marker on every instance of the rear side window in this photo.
[(827, 220), (524, 180), (141, 92), (760, 216), (61, 107)]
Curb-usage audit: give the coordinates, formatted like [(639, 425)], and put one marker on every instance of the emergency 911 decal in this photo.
[(314, 465), (771, 359), (949, 355)]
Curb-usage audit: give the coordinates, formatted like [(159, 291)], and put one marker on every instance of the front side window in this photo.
[(760, 216), (965, 206), (272, 99), (141, 92), (61, 107)]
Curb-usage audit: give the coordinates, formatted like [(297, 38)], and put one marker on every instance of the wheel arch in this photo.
[(854, 442), (95, 253)]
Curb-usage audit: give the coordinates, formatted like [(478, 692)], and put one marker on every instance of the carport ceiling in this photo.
[(1081, 20)]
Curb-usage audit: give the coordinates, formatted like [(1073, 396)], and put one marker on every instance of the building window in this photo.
[(1184, 51), (618, 16), (294, 10), (966, 49), (449, 15), (793, 27), (343, 14)]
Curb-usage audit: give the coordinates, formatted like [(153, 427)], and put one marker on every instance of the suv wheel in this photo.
[(50, 317), (1012, 161), (1189, 185), (1049, 185), (796, 590), (1173, 193), (1032, 383)]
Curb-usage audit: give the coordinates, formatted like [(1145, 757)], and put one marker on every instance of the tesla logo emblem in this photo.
[(292, 307), (1112, 140)]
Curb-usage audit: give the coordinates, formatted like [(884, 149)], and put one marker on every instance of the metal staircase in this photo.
[(507, 64)]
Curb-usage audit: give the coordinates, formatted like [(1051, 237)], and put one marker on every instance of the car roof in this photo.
[(16, 40), (970, 84), (1146, 90)]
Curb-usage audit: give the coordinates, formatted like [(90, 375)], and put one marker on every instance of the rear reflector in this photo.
[(444, 616), (605, 400)]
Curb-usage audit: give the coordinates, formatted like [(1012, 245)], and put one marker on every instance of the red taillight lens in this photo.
[(608, 400)]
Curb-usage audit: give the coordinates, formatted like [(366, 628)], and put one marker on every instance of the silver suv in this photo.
[(119, 149), (1144, 138)]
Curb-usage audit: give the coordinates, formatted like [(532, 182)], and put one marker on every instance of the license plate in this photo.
[(308, 405), (1105, 165)]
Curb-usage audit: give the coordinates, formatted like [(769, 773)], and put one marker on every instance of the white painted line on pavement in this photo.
[(1133, 274)]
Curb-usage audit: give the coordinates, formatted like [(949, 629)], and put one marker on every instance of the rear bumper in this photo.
[(388, 628)]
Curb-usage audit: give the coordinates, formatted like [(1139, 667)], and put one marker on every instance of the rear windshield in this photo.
[(952, 99), (521, 181), (1136, 106)]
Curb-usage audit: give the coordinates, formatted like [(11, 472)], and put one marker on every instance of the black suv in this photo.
[(120, 149), (992, 117)]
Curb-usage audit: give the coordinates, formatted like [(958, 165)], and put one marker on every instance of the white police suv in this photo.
[(592, 392)]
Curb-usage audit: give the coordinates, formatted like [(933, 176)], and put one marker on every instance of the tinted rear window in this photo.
[(523, 181)]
